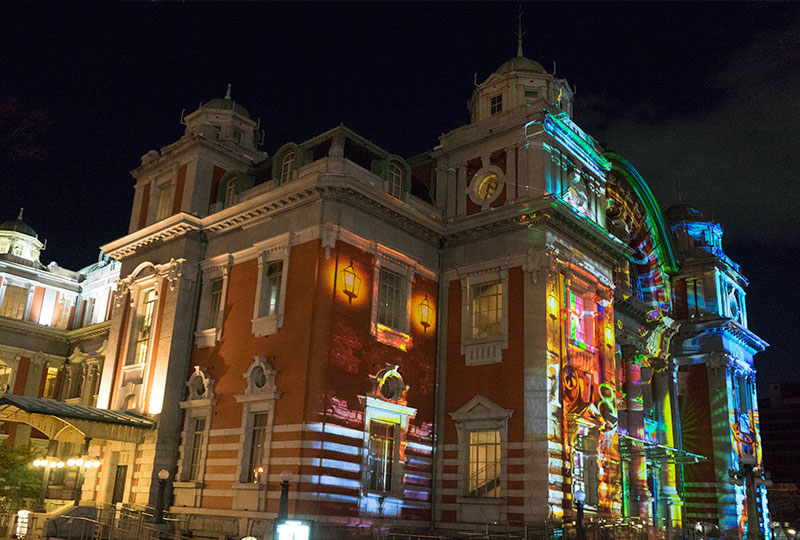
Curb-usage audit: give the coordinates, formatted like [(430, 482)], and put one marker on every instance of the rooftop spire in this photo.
[(19, 217), (228, 93), (520, 33)]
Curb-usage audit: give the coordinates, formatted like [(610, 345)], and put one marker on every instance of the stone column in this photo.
[(637, 468)]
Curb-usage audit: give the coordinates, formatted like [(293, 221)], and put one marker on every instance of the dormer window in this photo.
[(230, 193), (395, 180), (287, 165), (496, 104), (238, 134)]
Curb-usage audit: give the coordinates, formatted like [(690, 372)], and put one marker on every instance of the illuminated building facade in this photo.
[(474, 335), (53, 331)]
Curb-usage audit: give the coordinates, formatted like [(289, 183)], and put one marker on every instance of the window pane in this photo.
[(395, 179), (487, 310), (258, 437), (484, 463), (213, 304), (230, 193), (50, 383), (271, 289), (164, 202), (391, 299), (287, 165), (381, 456), (198, 437), (145, 320), (496, 104)]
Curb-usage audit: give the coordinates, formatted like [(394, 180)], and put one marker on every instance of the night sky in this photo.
[(704, 99)]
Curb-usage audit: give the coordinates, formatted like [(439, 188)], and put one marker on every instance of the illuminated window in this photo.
[(164, 202), (214, 302), (496, 104), (487, 310), (392, 301), (395, 180), (381, 456), (14, 302), (271, 289), (144, 325), (287, 165), (198, 437), (258, 437), (50, 381), (581, 327), (484, 463), (230, 193)]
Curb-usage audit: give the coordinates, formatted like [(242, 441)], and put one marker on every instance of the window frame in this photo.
[(23, 300), (395, 180), (268, 324), (195, 406), (496, 104), (288, 166), (212, 270), (397, 337), (480, 414), (164, 200), (483, 350), (256, 400), (231, 192)]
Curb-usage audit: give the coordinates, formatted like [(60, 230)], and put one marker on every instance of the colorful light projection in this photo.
[(425, 314)]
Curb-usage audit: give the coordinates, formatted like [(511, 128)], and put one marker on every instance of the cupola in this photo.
[(18, 239), (224, 120), (516, 87)]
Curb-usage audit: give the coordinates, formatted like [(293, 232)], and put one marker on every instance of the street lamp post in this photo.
[(580, 496), (163, 475), (750, 478), (283, 508)]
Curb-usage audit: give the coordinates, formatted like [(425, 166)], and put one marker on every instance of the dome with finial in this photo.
[(19, 226), (226, 104), (683, 213), (520, 63)]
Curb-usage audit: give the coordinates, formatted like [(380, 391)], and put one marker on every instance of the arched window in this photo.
[(395, 180), (230, 193), (287, 165)]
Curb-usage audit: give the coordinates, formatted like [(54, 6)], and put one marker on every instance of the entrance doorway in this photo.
[(119, 484)]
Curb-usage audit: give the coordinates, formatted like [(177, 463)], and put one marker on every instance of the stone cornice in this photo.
[(88, 332), (166, 229), (30, 328), (724, 327)]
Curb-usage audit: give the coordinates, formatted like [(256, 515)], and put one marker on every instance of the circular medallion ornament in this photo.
[(487, 187)]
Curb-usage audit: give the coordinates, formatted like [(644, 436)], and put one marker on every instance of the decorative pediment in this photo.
[(260, 377), (481, 408), (200, 385)]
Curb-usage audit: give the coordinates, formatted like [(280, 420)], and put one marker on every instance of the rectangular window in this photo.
[(496, 104), (258, 438), (215, 296), (50, 383), (581, 328), (381, 456), (164, 202), (14, 302), (271, 289), (487, 310), (391, 299), (531, 94), (145, 324), (198, 434), (484, 463), (64, 309), (87, 318), (5, 377)]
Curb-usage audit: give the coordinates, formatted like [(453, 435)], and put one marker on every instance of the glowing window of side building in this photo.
[(15, 301), (484, 463)]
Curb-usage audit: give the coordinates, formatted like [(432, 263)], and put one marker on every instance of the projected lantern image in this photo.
[(351, 283), (425, 314)]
